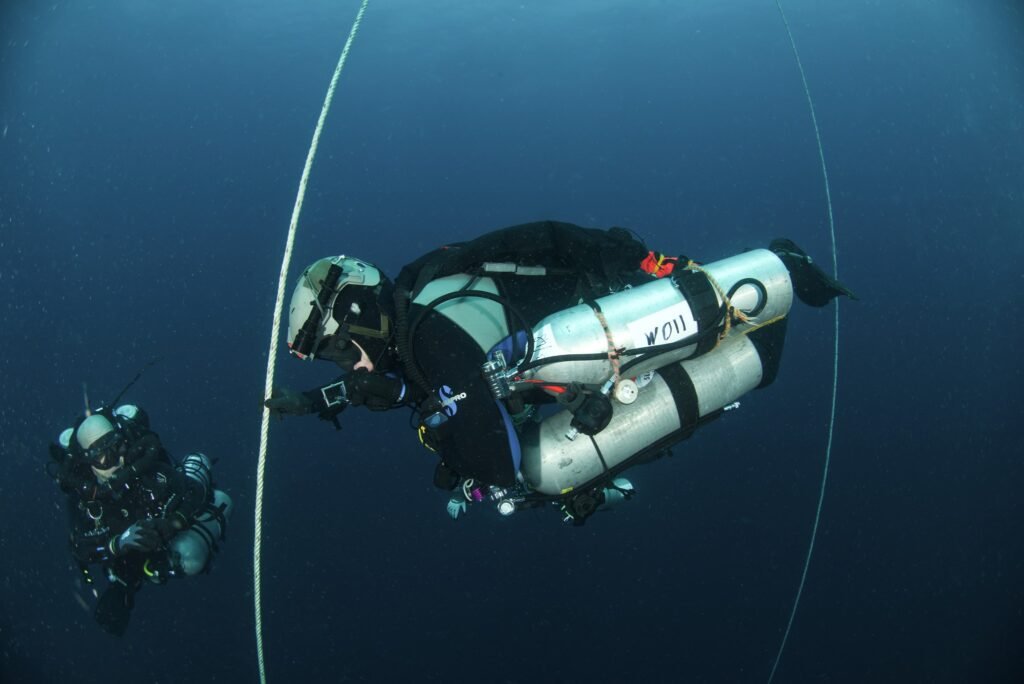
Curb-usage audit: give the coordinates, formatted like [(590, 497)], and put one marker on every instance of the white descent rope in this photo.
[(835, 362), (275, 331)]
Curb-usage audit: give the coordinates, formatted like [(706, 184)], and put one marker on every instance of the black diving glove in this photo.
[(142, 537), (166, 528), (285, 402)]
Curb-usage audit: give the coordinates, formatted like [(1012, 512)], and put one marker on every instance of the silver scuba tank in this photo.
[(656, 313), (197, 467), (554, 465), (194, 546)]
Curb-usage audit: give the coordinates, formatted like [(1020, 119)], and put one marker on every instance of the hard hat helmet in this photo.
[(335, 300), (101, 442)]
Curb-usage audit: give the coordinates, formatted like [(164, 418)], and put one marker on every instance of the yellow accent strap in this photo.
[(421, 434), (763, 324)]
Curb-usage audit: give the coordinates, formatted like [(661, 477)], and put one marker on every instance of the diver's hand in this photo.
[(168, 527), (285, 402), (141, 537), (456, 507)]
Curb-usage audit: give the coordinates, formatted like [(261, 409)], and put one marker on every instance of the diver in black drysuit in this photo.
[(397, 346), (126, 501)]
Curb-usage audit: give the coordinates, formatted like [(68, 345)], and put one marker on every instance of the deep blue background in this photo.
[(148, 165)]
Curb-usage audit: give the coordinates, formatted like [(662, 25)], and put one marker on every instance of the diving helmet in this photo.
[(338, 300)]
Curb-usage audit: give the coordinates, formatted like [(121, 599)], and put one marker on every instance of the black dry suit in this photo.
[(557, 266), (148, 489)]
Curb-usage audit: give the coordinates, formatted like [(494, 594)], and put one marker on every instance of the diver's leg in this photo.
[(769, 341), (811, 284), (114, 609)]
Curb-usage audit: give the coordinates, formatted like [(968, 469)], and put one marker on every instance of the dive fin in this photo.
[(115, 609), (812, 285)]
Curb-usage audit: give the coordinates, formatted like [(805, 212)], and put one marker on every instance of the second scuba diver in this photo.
[(134, 512)]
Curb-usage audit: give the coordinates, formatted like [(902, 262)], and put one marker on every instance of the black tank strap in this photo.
[(701, 295)]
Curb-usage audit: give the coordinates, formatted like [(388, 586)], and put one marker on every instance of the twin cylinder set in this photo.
[(656, 313)]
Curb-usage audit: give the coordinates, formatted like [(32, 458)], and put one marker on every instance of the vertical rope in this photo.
[(835, 363), (275, 332)]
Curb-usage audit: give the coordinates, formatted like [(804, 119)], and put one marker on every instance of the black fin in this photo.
[(812, 285), (115, 609)]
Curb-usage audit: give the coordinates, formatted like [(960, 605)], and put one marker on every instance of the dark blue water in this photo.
[(148, 166)]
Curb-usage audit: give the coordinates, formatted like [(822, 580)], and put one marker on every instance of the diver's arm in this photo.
[(376, 391), (88, 550), (147, 453)]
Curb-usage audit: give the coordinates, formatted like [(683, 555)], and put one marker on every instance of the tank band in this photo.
[(701, 296), (685, 396)]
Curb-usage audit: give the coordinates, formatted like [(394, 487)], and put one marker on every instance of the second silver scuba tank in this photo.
[(194, 545), (670, 405), (197, 467)]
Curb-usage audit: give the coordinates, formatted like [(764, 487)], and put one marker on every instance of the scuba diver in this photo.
[(133, 511), (543, 360)]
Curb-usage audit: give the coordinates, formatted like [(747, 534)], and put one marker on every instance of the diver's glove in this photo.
[(166, 528), (285, 402), (142, 537), (456, 507)]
